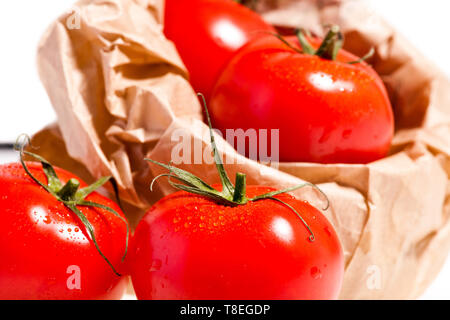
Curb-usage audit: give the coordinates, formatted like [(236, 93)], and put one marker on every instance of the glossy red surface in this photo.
[(207, 33), (326, 111), (40, 239), (189, 247)]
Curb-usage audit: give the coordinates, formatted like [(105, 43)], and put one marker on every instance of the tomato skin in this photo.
[(40, 239), (326, 111), (189, 247), (207, 33)]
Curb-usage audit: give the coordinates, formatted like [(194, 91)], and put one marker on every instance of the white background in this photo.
[(25, 107)]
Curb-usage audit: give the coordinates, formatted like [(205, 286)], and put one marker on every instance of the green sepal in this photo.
[(328, 49), (228, 187), (184, 175), (304, 43), (368, 55), (282, 39), (312, 238), (192, 183), (101, 206), (278, 192), (216, 196), (53, 181), (84, 192), (90, 230), (237, 197), (70, 194)]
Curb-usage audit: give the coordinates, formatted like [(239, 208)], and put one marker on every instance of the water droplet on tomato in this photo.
[(316, 273), (176, 220)]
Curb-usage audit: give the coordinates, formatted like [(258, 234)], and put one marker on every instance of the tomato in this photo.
[(190, 247), (233, 242), (45, 250), (207, 33), (327, 111)]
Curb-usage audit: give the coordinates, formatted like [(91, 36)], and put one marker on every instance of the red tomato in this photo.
[(190, 247), (44, 247), (207, 33), (327, 111)]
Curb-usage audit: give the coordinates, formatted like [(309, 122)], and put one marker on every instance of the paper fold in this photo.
[(121, 93)]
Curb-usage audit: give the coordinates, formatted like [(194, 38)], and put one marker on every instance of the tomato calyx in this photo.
[(70, 194), (328, 49), (231, 195)]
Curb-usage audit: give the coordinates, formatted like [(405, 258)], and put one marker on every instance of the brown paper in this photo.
[(121, 93)]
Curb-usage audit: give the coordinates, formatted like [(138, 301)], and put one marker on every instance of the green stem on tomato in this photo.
[(328, 49), (331, 44), (230, 195), (70, 193), (239, 188), (69, 190)]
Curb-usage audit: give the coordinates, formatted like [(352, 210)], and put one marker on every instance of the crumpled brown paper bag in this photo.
[(120, 93)]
